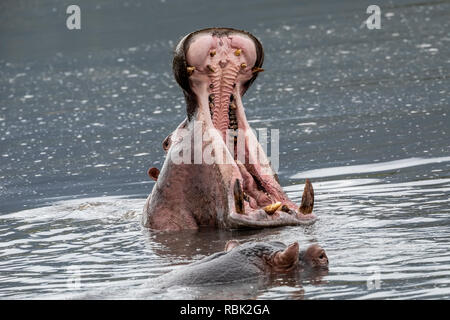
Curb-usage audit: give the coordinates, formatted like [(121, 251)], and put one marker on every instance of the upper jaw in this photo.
[(218, 69)]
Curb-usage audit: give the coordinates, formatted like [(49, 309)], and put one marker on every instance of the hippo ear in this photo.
[(288, 257), (153, 173), (231, 244)]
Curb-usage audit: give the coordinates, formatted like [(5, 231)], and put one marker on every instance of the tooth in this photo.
[(237, 52), (257, 69), (212, 53), (210, 68), (307, 205), (271, 208), (190, 70), (238, 197), (243, 65)]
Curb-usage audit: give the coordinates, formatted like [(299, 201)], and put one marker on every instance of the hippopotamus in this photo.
[(216, 173), (244, 262)]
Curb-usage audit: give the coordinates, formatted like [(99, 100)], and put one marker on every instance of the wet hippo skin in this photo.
[(215, 67), (247, 261)]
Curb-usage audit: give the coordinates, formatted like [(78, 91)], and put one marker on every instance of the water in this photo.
[(363, 113)]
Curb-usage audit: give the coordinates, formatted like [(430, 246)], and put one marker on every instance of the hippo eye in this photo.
[(321, 256)]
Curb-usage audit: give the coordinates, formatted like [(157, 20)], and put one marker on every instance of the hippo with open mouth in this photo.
[(240, 262), (225, 180)]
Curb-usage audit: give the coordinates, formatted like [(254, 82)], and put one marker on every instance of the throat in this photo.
[(233, 125)]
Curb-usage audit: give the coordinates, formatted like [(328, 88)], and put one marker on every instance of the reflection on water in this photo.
[(363, 113), (367, 168)]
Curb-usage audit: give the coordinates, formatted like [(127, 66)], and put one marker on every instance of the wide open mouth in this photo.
[(220, 67), (280, 213)]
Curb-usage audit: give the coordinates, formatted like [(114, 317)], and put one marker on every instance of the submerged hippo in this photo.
[(216, 173), (245, 262)]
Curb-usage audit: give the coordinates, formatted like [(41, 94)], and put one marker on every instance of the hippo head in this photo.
[(276, 257), (229, 181)]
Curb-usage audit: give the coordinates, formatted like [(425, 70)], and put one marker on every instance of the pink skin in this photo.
[(187, 196)]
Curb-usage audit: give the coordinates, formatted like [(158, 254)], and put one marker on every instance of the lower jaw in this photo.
[(258, 219), (252, 199), (285, 213)]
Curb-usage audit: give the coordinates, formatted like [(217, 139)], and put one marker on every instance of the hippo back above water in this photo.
[(245, 262)]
